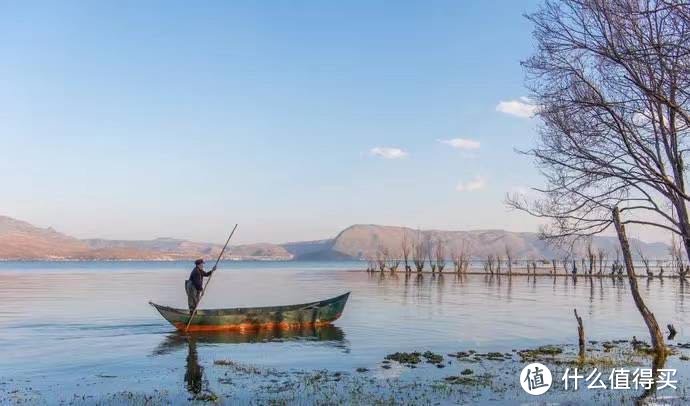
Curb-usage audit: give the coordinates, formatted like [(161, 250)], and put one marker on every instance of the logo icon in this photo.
[(535, 379)]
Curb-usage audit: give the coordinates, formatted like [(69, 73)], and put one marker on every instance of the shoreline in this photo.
[(598, 276)]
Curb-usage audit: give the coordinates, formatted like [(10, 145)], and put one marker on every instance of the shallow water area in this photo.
[(84, 332)]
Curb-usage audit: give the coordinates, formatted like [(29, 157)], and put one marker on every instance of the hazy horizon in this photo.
[(331, 236)]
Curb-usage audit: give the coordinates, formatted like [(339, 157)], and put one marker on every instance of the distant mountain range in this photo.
[(20, 240)]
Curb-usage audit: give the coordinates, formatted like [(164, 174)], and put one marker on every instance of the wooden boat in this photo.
[(253, 318)]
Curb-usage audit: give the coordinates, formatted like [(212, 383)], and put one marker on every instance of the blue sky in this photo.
[(294, 119)]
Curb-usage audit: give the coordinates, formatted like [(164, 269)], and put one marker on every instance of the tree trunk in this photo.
[(580, 335), (649, 319), (679, 204)]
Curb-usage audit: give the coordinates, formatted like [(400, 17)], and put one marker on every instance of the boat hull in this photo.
[(274, 317)]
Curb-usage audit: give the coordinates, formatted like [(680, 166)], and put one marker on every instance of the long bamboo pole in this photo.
[(209, 278)]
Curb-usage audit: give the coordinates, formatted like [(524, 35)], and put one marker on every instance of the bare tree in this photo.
[(489, 265), (677, 258), (440, 255), (460, 257), (647, 315), (406, 249), (601, 255), (645, 262), (455, 258), (616, 263), (393, 261), (509, 259), (463, 257), (565, 261), (591, 256), (419, 253), (429, 242), (382, 257), (613, 89), (466, 262), (612, 85), (371, 264)]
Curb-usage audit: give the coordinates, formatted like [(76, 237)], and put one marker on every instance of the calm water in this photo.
[(86, 328)]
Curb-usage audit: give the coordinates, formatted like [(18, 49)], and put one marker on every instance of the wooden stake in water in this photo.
[(209, 278)]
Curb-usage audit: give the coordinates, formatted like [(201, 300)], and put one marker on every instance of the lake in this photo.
[(83, 332)]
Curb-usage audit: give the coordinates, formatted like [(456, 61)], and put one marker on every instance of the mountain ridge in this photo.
[(20, 240)]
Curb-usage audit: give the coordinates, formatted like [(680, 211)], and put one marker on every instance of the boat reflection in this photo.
[(327, 335)]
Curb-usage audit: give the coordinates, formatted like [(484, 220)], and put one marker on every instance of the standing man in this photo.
[(195, 284)]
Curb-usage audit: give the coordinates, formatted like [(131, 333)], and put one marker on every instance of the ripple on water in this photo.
[(91, 320)]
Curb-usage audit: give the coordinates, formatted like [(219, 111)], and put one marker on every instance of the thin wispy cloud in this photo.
[(520, 190), (388, 152), (476, 183), (461, 143), (523, 107)]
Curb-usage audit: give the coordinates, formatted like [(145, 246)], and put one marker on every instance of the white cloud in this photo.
[(461, 143), (388, 152), (520, 108), (477, 183)]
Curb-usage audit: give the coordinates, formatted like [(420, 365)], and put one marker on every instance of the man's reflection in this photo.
[(194, 373)]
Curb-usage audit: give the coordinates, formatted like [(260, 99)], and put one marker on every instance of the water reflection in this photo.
[(328, 335), (84, 312), (658, 363), (194, 372), (194, 380)]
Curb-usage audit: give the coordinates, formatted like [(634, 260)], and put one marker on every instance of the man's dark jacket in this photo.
[(197, 277)]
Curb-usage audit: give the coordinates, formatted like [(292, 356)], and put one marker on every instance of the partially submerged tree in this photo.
[(440, 255), (406, 249), (393, 261), (616, 263), (371, 264), (601, 256), (419, 253), (677, 258), (654, 331), (455, 258), (645, 262), (382, 257), (591, 256), (490, 263), (509, 259), (565, 261), (430, 248), (461, 257)]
